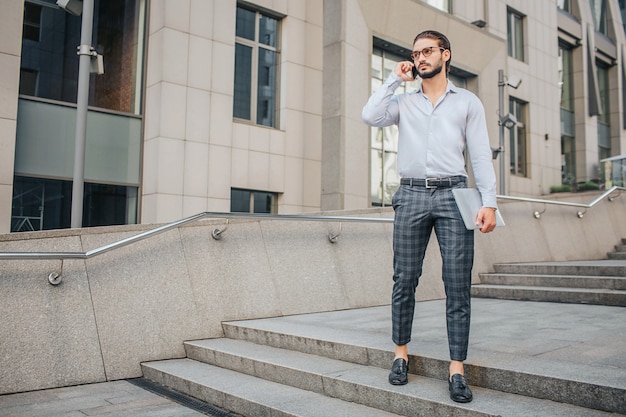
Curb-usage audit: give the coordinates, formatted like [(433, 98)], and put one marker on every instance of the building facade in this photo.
[(226, 105)]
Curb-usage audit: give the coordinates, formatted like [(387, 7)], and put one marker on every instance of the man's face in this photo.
[(428, 67)]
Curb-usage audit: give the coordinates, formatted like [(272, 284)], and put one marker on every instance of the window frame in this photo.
[(387, 54), (515, 34), (564, 5), (252, 200), (255, 46), (601, 22), (443, 5), (518, 139), (28, 25)]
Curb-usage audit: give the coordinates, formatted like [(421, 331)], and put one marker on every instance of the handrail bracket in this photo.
[(217, 233)]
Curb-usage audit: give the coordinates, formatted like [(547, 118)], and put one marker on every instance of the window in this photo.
[(257, 58), (384, 180), (48, 89), (600, 18), (45, 204), (604, 118), (248, 201), (28, 82), (566, 78), (622, 11), (568, 141), (32, 22), (518, 144), (565, 5), (568, 160), (515, 34), (118, 36), (443, 5)]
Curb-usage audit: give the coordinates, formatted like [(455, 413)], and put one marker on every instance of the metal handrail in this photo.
[(298, 217), (580, 214), (565, 203), (216, 233)]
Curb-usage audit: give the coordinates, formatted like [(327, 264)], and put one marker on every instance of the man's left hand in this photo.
[(486, 217)]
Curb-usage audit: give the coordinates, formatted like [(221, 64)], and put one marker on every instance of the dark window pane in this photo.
[(116, 36), (262, 202), (243, 82), (28, 82), (107, 205), (40, 204), (239, 201), (245, 23), (266, 93), (43, 204), (32, 21), (267, 31)]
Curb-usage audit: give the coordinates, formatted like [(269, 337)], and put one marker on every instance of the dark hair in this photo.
[(439, 37)]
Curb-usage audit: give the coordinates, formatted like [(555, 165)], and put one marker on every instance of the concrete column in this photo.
[(10, 52)]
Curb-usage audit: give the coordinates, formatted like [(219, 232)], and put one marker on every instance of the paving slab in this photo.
[(108, 399)]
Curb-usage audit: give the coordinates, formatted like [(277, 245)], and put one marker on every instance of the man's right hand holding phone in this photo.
[(404, 70)]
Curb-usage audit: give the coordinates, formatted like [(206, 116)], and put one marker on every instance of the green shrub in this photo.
[(563, 188), (589, 185)]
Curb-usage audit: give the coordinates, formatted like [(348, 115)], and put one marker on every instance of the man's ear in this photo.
[(446, 53)]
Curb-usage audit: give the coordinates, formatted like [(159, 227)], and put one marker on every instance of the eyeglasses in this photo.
[(426, 52)]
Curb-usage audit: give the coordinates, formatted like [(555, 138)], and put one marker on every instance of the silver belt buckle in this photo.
[(427, 185)]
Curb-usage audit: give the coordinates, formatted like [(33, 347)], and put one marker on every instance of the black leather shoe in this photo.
[(398, 374), (459, 391)]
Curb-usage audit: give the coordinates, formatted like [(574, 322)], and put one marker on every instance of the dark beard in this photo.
[(430, 74)]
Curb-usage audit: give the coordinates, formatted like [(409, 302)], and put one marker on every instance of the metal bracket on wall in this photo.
[(332, 237), (611, 198), (537, 214), (217, 233), (55, 278)]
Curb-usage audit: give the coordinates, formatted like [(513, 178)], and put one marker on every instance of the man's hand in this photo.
[(403, 70), (486, 217)]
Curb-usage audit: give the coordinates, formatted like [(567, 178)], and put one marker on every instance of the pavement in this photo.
[(573, 340), (108, 399)]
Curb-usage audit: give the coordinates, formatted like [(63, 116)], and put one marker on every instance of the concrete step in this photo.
[(603, 268), (294, 375), (620, 248), (247, 395), (571, 281), (617, 255), (551, 294), (580, 385)]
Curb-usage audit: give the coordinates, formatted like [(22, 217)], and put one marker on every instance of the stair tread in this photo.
[(365, 332), (420, 390), (286, 399), (605, 267), (522, 274), (552, 289)]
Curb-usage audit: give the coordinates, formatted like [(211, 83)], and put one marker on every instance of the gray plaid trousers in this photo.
[(417, 211)]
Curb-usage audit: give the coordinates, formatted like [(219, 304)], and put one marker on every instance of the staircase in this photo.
[(620, 251), (336, 364), (586, 282)]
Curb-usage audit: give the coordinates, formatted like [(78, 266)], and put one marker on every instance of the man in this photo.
[(435, 123)]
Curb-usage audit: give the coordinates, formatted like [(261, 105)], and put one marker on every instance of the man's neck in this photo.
[(435, 87)]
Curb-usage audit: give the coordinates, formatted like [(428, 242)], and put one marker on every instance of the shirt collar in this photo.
[(449, 88)]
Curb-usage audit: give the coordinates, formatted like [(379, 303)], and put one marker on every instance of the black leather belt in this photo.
[(433, 182)]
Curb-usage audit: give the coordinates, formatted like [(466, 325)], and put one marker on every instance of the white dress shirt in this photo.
[(432, 138)]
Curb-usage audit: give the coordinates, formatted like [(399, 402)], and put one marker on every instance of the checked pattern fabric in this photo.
[(419, 211)]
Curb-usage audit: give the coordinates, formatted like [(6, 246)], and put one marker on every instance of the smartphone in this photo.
[(414, 72)]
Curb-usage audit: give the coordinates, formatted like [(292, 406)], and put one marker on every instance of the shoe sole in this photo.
[(461, 401), (398, 382)]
